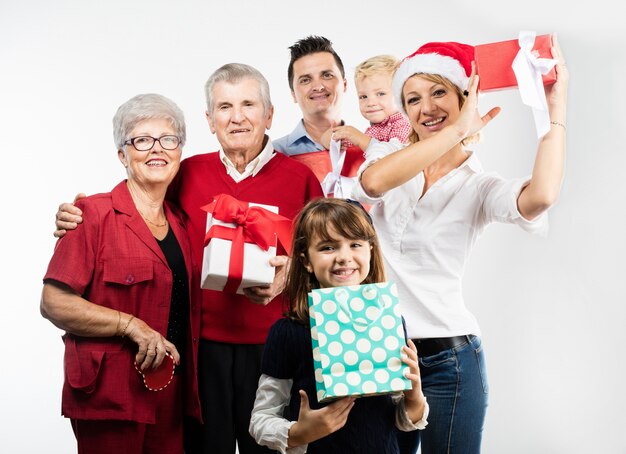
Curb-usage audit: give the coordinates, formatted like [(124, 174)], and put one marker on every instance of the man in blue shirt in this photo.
[(317, 82)]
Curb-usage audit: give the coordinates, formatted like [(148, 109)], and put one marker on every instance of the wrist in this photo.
[(458, 133), (119, 322), (415, 407), (293, 436), (125, 330)]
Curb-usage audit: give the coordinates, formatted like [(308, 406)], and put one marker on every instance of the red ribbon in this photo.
[(253, 224)]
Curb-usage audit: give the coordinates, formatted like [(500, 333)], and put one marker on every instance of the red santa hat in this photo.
[(450, 60)]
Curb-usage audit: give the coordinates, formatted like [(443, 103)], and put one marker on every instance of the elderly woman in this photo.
[(430, 202), (123, 287)]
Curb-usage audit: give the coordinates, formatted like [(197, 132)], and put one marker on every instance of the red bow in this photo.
[(254, 224)]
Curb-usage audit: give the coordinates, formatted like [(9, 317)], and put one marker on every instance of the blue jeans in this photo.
[(454, 382)]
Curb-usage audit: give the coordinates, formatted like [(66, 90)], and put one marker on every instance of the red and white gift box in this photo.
[(494, 62), (240, 240), (525, 63)]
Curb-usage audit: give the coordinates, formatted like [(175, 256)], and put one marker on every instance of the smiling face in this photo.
[(157, 165), (430, 105), (318, 85), (376, 100), (239, 118), (338, 260)]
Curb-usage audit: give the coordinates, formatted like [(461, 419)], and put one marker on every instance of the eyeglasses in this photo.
[(145, 143)]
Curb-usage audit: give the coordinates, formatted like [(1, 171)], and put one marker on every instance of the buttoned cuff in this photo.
[(403, 422)]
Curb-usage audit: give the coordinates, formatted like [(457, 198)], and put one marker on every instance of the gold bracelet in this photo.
[(119, 320), (130, 319), (558, 124)]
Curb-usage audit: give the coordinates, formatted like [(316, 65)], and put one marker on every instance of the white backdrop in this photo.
[(552, 310)]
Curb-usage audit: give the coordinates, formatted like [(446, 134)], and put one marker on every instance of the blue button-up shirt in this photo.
[(296, 142)]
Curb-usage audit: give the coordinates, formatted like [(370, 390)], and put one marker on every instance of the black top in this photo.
[(370, 427), (179, 306)]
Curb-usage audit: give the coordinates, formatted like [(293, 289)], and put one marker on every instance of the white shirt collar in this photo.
[(253, 166)]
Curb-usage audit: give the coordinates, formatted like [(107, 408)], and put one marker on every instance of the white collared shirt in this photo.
[(253, 167), (426, 242)]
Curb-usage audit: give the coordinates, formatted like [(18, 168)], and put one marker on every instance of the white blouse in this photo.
[(426, 242)]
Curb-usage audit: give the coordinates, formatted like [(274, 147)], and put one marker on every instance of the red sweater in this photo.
[(282, 182)]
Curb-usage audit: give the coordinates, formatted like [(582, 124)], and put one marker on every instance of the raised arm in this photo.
[(399, 167), (545, 184)]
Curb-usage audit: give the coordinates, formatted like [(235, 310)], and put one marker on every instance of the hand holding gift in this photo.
[(241, 240), (264, 294), (527, 63), (556, 94)]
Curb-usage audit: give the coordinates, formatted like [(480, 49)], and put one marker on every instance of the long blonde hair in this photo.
[(436, 78), (350, 220)]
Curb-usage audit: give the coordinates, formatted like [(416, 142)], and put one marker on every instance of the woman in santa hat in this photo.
[(430, 202)]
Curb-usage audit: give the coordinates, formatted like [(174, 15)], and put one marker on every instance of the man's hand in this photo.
[(263, 295), (68, 217)]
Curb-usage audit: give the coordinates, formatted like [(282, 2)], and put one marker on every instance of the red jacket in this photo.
[(113, 260)]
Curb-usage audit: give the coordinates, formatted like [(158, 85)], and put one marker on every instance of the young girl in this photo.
[(334, 245)]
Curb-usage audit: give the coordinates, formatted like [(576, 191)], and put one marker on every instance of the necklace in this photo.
[(153, 223), (156, 225)]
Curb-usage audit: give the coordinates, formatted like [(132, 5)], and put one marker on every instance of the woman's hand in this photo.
[(152, 346), (414, 398), (556, 94), (315, 424), (470, 121), (545, 184)]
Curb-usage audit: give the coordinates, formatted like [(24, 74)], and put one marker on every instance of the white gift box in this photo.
[(216, 259)]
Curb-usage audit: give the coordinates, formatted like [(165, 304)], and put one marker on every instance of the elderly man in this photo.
[(234, 327), (317, 81)]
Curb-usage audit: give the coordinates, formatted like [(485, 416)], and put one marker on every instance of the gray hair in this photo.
[(232, 73), (146, 107)]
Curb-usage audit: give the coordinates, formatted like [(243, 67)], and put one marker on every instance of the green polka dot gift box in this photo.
[(357, 336)]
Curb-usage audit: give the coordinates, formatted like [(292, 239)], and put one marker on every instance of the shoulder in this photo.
[(285, 347), (280, 144), (291, 165), (285, 326), (286, 333), (378, 149), (178, 214), (292, 171), (202, 157), (95, 204), (197, 164)]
